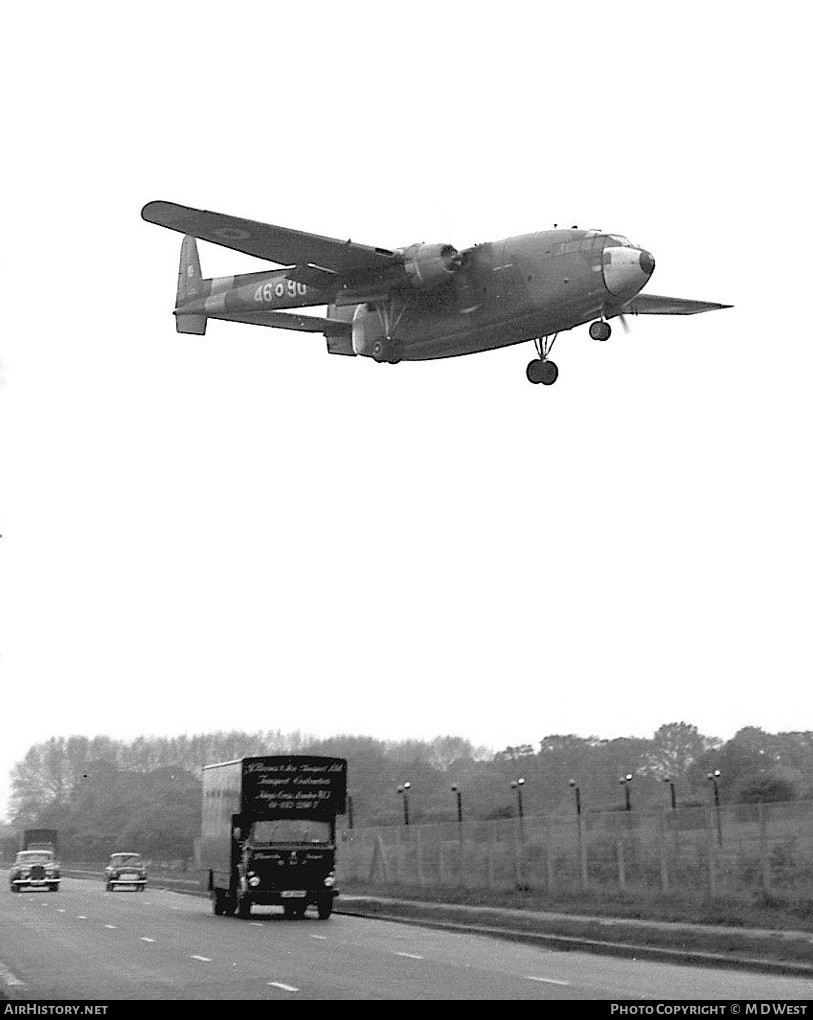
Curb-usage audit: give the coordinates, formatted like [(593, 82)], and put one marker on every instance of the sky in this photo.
[(242, 532)]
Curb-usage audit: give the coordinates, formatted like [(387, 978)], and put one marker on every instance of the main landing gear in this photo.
[(600, 330), (541, 370)]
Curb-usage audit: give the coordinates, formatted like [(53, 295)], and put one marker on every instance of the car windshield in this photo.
[(290, 830), (35, 857), (126, 860)]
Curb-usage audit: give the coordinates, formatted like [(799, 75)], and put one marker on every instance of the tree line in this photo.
[(105, 795)]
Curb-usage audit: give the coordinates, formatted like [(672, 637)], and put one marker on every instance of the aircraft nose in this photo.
[(626, 270)]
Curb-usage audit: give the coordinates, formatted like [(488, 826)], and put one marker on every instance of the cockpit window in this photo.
[(621, 240)]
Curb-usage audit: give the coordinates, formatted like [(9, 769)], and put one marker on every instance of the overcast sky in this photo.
[(240, 531)]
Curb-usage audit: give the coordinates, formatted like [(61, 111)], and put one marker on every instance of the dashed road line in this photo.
[(285, 988), (547, 981), (410, 956), (203, 959), (81, 917), (322, 938), (145, 939), (60, 910), (111, 926), (256, 924)]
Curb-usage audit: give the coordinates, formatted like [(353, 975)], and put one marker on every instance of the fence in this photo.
[(738, 851)]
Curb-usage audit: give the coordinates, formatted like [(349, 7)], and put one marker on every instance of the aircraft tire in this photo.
[(539, 371), (600, 330), (534, 372), (551, 373)]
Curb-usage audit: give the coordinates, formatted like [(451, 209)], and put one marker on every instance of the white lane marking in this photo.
[(547, 981), (285, 988), (81, 917), (60, 910), (320, 937), (145, 939), (203, 959), (411, 956), (111, 926), (256, 924)]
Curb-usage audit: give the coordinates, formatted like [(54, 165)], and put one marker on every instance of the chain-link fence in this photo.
[(728, 851)]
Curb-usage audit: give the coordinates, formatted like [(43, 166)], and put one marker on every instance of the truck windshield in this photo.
[(290, 830), (35, 857)]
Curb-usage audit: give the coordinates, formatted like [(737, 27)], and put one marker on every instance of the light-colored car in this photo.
[(34, 869), (126, 869)]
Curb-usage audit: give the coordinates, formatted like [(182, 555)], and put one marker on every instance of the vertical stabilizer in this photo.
[(190, 286)]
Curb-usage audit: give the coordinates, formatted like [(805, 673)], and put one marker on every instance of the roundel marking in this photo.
[(231, 234)]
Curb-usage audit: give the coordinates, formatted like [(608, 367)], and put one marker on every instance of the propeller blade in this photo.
[(624, 324)]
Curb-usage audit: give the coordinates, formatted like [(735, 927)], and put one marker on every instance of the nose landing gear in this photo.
[(541, 370), (600, 330)]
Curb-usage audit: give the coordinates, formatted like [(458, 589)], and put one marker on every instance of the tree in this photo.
[(674, 748)]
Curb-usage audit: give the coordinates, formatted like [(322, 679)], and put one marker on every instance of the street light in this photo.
[(404, 791), (712, 778), (459, 796), (517, 785), (575, 786), (671, 783), (626, 780)]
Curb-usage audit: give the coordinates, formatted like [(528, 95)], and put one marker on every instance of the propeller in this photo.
[(623, 320)]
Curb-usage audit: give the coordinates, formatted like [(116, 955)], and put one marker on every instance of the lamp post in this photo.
[(459, 795), (517, 785), (671, 783), (404, 791), (576, 790), (625, 781), (712, 778)]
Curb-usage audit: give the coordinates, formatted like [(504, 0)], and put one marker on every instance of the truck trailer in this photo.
[(269, 833)]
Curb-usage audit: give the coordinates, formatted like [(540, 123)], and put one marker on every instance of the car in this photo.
[(126, 869), (34, 869)]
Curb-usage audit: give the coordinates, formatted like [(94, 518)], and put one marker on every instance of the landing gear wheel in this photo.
[(600, 330), (539, 371), (324, 905)]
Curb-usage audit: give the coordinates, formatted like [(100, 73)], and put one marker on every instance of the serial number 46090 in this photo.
[(267, 292)]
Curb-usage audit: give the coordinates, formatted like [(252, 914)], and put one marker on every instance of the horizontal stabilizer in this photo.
[(285, 320), (654, 304)]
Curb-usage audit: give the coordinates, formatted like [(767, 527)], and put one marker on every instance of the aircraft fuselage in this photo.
[(504, 292)]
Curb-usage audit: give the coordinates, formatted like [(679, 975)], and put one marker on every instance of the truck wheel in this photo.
[(324, 905)]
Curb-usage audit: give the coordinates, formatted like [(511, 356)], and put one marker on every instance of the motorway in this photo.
[(85, 943)]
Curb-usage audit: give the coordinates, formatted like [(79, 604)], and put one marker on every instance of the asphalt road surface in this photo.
[(85, 943)]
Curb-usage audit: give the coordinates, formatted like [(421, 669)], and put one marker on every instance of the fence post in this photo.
[(418, 841), (622, 874), (711, 846), (490, 856), (582, 851), (764, 857), (461, 855), (662, 851)]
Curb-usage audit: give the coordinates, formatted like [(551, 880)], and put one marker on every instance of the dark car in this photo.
[(126, 869), (34, 869)]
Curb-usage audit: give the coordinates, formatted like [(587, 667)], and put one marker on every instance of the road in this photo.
[(85, 943)]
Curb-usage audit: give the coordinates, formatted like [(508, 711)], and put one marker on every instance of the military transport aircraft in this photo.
[(421, 302)]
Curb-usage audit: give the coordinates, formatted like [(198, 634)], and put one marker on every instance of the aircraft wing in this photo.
[(654, 304), (275, 244)]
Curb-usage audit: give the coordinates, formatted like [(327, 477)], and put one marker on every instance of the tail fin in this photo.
[(189, 287)]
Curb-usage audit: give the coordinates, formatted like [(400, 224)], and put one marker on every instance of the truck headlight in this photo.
[(330, 880), (254, 880)]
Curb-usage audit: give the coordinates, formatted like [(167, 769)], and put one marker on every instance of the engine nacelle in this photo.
[(429, 265)]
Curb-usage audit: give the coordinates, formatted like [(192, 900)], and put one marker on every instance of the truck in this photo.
[(269, 833), (36, 866)]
